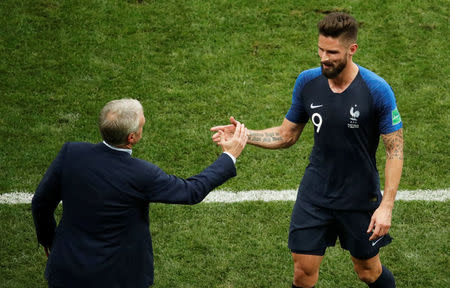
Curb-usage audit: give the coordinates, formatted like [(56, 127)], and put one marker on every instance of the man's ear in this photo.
[(352, 49), (131, 139)]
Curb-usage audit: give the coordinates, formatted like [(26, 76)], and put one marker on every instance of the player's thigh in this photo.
[(306, 264), (312, 229)]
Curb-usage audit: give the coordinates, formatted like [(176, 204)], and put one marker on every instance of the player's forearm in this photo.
[(270, 138), (394, 164), (393, 172)]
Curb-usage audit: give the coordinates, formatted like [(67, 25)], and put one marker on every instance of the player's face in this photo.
[(333, 56)]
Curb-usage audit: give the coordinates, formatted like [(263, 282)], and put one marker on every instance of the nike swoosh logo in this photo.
[(378, 240), (315, 106)]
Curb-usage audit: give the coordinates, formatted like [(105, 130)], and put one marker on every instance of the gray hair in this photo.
[(118, 119)]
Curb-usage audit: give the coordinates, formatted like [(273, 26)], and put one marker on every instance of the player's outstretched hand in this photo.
[(236, 143), (228, 130)]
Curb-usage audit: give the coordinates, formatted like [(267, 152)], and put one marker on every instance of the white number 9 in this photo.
[(319, 121)]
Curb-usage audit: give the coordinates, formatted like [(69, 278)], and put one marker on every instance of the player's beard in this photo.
[(333, 70)]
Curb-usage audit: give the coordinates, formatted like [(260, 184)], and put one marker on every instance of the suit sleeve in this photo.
[(171, 189), (45, 200)]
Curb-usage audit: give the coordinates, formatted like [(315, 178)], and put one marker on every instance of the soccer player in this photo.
[(339, 195)]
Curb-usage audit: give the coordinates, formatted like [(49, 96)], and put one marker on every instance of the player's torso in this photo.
[(342, 165), (341, 121)]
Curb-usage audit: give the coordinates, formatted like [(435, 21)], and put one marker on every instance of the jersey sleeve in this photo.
[(385, 103), (297, 112), (390, 119)]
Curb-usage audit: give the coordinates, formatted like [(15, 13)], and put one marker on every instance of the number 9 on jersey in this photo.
[(317, 121)]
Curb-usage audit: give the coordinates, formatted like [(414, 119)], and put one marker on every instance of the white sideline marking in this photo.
[(16, 198), (258, 195), (291, 195)]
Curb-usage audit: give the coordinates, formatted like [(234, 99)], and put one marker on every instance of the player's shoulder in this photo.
[(310, 74), (306, 77), (373, 80)]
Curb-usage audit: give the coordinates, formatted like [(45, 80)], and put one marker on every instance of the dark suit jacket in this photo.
[(103, 238)]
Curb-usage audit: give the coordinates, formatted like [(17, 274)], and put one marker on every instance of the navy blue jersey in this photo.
[(342, 173)]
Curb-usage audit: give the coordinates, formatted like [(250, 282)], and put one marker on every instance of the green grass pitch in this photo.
[(193, 64)]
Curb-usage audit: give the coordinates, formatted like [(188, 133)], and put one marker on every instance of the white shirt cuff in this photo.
[(231, 156)]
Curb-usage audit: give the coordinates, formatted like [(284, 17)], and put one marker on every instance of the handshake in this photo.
[(232, 138)]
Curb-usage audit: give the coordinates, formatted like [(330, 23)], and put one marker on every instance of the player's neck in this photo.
[(344, 79)]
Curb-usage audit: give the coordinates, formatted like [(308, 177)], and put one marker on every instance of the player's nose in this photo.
[(324, 57)]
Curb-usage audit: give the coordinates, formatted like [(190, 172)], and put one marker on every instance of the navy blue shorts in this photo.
[(315, 228)]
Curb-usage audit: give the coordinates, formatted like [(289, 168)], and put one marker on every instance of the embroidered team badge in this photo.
[(354, 114)]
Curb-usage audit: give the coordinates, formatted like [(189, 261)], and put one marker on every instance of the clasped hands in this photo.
[(232, 138)]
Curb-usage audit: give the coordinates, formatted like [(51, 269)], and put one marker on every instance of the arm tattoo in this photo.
[(393, 143), (266, 137)]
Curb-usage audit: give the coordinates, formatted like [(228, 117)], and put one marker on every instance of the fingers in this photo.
[(237, 142), (240, 136), (230, 127), (380, 223), (243, 133), (372, 229), (221, 137), (377, 229), (371, 225), (237, 132), (222, 127), (376, 233), (216, 136), (232, 138)]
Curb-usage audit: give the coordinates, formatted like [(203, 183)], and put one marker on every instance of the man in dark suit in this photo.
[(103, 238)]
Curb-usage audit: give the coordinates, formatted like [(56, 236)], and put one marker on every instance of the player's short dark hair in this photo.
[(339, 24)]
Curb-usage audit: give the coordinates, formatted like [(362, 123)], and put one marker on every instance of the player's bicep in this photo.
[(393, 143)]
